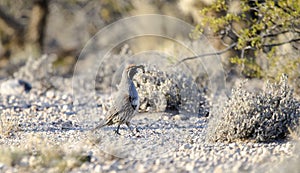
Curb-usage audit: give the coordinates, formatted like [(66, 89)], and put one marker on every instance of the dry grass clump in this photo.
[(262, 117), (12, 156), (38, 155), (169, 91), (8, 125)]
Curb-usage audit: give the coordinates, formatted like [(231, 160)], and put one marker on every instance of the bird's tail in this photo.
[(102, 124)]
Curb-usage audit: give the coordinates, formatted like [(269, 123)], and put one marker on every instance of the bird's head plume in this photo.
[(132, 69)]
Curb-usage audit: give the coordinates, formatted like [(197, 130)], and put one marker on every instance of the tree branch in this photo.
[(37, 24), (275, 34), (208, 54), (282, 43), (11, 25), (230, 47)]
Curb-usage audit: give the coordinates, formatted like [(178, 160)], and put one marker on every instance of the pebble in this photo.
[(64, 97), (165, 117), (185, 147), (50, 94), (65, 108), (218, 169), (190, 166), (98, 168), (180, 117)]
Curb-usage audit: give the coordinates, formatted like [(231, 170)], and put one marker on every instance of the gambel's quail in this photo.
[(126, 102)]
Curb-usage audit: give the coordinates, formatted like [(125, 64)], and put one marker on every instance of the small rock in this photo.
[(24, 162), (185, 147), (265, 154), (162, 170), (64, 97), (98, 168), (50, 94), (218, 169), (65, 108), (237, 166), (67, 125), (232, 145), (165, 117), (33, 161), (180, 117), (190, 166), (141, 168)]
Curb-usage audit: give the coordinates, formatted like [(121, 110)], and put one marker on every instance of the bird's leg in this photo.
[(117, 130), (136, 129), (128, 125)]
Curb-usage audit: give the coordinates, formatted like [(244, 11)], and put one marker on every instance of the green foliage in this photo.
[(250, 67), (256, 26), (112, 8)]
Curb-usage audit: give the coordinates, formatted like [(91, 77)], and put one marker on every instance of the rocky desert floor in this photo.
[(49, 133)]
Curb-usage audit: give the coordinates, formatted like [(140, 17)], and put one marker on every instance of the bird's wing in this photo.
[(109, 118), (117, 108), (111, 114), (114, 114)]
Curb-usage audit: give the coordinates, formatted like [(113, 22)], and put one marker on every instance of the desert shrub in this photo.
[(41, 74), (262, 117), (37, 71), (169, 91)]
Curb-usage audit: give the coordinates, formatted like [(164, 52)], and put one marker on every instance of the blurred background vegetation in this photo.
[(256, 39)]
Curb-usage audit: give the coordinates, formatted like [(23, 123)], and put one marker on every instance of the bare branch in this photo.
[(275, 34), (295, 29), (207, 54), (282, 43), (231, 47), (9, 24), (37, 24)]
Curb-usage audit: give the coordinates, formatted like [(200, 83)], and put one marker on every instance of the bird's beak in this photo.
[(143, 68)]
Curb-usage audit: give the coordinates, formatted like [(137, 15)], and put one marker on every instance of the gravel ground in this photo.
[(46, 132)]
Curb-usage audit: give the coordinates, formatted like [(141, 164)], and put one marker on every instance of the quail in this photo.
[(126, 101)]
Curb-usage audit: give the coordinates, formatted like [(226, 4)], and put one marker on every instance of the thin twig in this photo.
[(275, 34), (282, 43), (208, 54)]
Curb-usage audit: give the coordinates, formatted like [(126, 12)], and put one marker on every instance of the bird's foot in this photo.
[(137, 130), (117, 132)]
